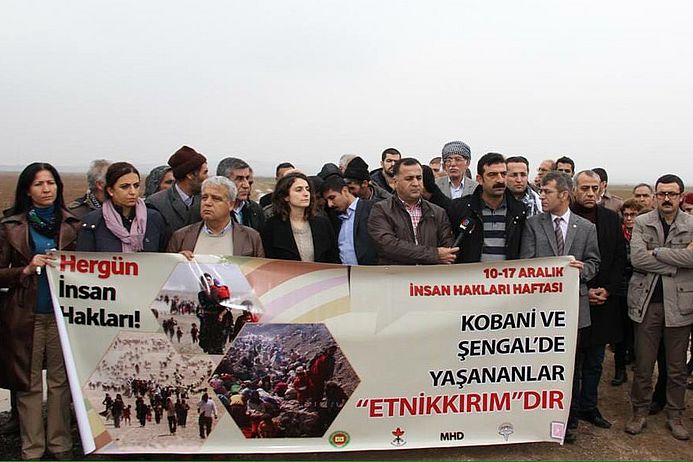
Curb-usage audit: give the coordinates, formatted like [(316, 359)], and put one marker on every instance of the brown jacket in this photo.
[(391, 229), (246, 241), (17, 314), (673, 263)]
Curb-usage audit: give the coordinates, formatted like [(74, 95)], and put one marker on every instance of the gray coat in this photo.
[(674, 263), (174, 211), (468, 189), (539, 240)]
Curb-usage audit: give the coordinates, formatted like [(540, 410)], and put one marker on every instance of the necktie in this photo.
[(560, 244)]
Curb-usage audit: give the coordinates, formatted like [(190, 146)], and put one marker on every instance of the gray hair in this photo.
[(97, 172), (640, 185), (589, 173), (563, 181), (224, 182), (229, 164), (345, 159)]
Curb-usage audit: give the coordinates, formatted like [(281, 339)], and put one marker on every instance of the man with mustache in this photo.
[(660, 302), (488, 224)]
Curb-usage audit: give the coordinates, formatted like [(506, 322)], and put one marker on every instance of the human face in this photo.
[(43, 191), (409, 183), (215, 205), (125, 191), (552, 200), (644, 195), (493, 180), (337, 200), (629, 217), (518, 177), (242, 178), (199, 178), (587, 191), (668, 197), (299, 194), (283, 171), (565, 168), (389, 163), (167, 181), (687, 207), (456, 165), (358, 189)]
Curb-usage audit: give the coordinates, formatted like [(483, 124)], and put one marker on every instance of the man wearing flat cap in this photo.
[(180, 204), (456, 158)]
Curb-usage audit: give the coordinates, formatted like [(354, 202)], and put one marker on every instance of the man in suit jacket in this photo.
[(180, 204), (217, 234), (355, 244), (557, 232), (605, 324), (660, 302), (246, 211), (456, 158)]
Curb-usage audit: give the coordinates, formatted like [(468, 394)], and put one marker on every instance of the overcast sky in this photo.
[(606, 83)]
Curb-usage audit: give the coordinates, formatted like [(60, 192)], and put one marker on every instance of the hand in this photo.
[(447, 255), (690, 246), (598, 296), (187, 254), (577, 264), (39, 261)]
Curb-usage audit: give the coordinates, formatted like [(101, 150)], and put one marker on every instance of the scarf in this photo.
[(91, 201), (627, 233), (43, 221), (133, 240)]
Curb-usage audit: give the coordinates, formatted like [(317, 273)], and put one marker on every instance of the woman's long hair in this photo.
[(281, 206), (22, 201)]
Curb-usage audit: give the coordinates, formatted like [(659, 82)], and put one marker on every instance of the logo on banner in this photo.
[(399, 440), (339, 439), (505, 430), (557, 430), (451, 436)]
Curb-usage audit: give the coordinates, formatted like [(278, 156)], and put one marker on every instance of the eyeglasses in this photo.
[(667, 195), (630, 215), (456, 159)]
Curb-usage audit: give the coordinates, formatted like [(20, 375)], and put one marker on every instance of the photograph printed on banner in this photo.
[(149, 396), (202, 307), (284, 380)]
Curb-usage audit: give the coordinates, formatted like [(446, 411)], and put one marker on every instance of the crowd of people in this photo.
[(273, 391), (635, 257)]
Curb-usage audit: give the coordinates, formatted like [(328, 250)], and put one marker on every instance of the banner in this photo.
[(241, 355)]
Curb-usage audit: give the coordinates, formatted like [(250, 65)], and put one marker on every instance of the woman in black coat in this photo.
[(124, 223), (295, 231)]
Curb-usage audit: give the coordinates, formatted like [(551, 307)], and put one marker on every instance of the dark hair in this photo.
[(280, 206), (603, 176), (670, 178), (22, 202), (118, 169), (391, 151), (517, 159), (282, 166), (429, 178), (631, 203), (565, 160), (563, 181), (333, 183), (407, 161), (230, 164), (491, 158)]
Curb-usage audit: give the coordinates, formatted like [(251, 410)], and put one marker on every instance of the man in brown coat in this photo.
[(407, 229), (217, 234)]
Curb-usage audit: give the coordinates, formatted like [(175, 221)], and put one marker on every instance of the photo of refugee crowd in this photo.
[(284, 380), (202, 308)]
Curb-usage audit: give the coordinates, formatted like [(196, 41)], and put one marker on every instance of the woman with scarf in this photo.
[(159, 179), (37, 223), (123, 223)]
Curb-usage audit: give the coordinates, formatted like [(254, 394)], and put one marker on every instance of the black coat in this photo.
[(467, 210), (253, 215), (94, 236), (606, 320), (366, 253), (278, 240)]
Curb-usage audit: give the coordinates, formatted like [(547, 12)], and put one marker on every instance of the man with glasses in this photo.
[(557, 232), (456, 158), (660, 302), (545, 166)]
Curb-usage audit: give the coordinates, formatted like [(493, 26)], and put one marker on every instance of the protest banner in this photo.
[(303, 357)]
